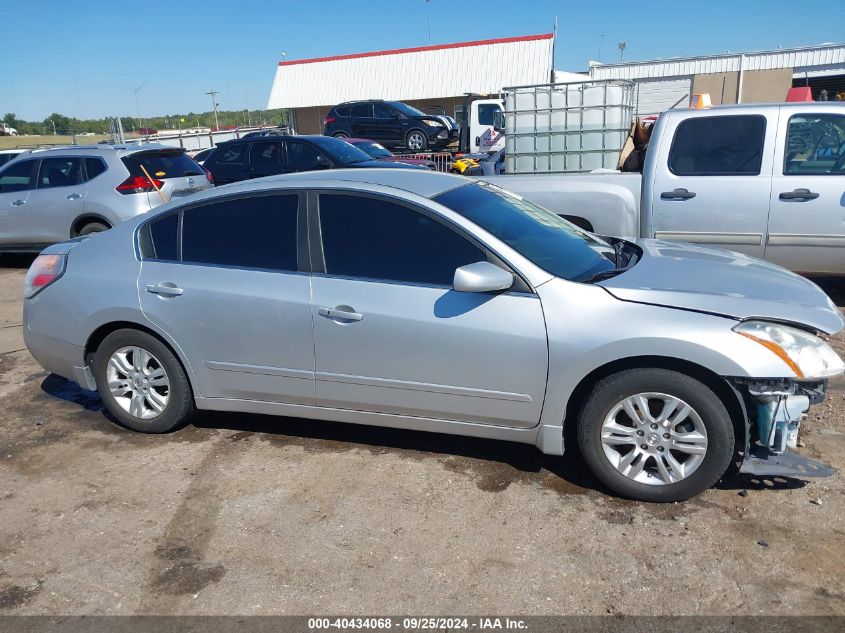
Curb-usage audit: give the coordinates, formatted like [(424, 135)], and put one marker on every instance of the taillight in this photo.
[(138, 184), (44, 270), (329, 119), (209, 176)]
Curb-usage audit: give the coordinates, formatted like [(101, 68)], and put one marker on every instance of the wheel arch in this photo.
[(87, 218), (726, 392), (99, 334)]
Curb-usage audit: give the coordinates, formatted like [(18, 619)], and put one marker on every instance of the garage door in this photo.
[(655, 96)]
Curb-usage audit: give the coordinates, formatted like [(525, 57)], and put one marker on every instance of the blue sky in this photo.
[(86, 58)]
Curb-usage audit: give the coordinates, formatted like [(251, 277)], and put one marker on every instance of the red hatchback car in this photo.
[(378, 152)]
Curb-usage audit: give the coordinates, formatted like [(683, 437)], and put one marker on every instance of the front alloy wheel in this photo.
[(416, 141), (655, 434)]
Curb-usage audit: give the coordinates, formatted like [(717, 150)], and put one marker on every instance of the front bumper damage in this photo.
[(774, 410)]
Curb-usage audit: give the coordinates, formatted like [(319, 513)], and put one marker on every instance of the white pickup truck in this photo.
[(766, 180), (7, 130)]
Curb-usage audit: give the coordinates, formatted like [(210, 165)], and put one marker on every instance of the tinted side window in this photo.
[(382, 111), (342, 111), (231, 154), (5, 158), (256, 232), (487, 113), (718, 146), (17, 177), (815, 145), (365, 237), (301, 157), (362, 110), (164, 238), (94, 167), (266, 155), (59, 172)]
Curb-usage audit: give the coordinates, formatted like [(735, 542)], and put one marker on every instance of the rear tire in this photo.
[(341, 135), (142, 383), (416, 141), (647, 457), (92, 227)]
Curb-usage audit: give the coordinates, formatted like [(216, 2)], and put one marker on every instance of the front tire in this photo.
[(92, 227), (655, 435), (416, 141), (341, 135), (141, 382)]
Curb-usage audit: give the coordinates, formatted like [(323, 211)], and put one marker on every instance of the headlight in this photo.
[(434, 123), (807, 355)]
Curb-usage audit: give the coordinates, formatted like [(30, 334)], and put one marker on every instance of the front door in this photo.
[(233, 298), (392, 336), (265, 158), (16, 182), (713, 188), (57, 200), (385, 126), (483, 135), (807, 218)]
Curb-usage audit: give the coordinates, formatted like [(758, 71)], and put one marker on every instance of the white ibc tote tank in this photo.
[(566, 127)]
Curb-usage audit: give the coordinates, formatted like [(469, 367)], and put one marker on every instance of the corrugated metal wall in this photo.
[(425, 73)]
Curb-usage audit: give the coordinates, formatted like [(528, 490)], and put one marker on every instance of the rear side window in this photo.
[(59, 172), (376, 239), (382, 111), (94, 167), (5, 158), (342, 111), (255, 232), (815, 145), (163, 165), (164, 238), (231, 154), (266, 155), (718, 146), (364, 110), (17, 177)]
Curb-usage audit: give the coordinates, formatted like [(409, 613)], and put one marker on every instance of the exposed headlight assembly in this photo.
[(432, 123), (806, 354)]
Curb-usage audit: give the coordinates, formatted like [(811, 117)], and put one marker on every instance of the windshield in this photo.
[(404, 108), (373, 149), (549, 241), (341, 152)]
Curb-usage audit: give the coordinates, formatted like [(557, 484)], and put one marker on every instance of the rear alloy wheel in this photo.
[(655, 435), (341, 135), (416, 141), (93, 227), (141, 382)]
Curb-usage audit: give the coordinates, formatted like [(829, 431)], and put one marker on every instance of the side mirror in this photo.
[(499, 121), (481, 277), (322, 163)]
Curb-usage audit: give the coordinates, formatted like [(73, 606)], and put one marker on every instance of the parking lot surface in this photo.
[(240, 514)]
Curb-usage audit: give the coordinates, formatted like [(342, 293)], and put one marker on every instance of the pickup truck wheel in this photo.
[(655, 435), (416, 141), (141, 382)]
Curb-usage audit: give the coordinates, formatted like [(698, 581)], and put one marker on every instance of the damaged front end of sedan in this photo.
[(774, 412)]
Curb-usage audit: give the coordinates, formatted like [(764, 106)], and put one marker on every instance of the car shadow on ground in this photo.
[(834, 287), (16, 260)]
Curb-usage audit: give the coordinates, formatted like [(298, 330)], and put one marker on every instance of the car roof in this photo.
[(104, 149)]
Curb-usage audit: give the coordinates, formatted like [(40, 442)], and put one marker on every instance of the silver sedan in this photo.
[(428, 301)]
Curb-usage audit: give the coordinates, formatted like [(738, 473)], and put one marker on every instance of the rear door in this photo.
[(229, 163), (56, 201), (230, 292), (807, 217), (16, 182), (713, 186), (176, 174), (265, 158), (361, 118)]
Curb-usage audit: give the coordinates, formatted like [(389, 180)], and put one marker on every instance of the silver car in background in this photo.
[(419, 300), (50, 195)]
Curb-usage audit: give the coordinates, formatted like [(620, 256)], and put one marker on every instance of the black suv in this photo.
[(392, 123), (269, 155)]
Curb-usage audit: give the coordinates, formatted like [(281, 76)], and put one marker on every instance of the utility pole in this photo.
[(137, 108), (428, 14), (621, 50), (601, 46), (214, 94)]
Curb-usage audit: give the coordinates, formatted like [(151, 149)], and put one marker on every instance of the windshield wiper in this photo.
[(605, 274)]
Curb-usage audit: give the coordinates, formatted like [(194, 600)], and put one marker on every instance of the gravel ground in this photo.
[(241, 514)]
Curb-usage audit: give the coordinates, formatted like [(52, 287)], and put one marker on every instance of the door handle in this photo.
[(799, 194), (677, 194), (18, 203), (164, 290), (73, 196), (341, 315)]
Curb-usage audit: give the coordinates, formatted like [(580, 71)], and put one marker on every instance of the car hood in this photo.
[(382, 164), (722, 282)]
